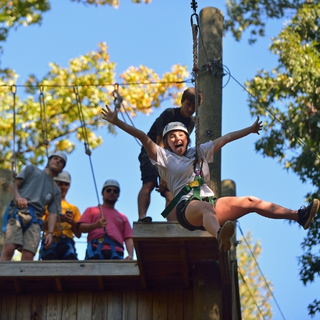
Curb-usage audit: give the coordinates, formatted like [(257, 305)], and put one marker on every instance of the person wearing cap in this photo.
[(33, 189), (107, 228), (149, 173), (196, 206), (63, 246)]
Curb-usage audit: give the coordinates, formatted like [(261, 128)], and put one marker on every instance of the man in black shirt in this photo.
[(149, 173)]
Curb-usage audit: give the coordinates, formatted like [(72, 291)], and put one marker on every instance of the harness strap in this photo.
[(99, 242), (195, 185), (15, 215)]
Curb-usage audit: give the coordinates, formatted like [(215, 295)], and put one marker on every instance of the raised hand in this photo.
[(257, 126), (109, 115)]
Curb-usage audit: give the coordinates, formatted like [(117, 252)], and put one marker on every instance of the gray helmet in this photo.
[(59, 154), (63, 176), (175, 126), (111, 183)]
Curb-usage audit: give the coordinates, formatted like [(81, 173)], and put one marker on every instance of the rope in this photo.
[(87, 148), (118, 103), (43, 120), (195, 70), (14, 159), (265, 280)]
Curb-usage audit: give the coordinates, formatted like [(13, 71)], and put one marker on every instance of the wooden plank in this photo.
[(130, 305), (54, 306), (115, 305), (100, 306), (39, 305), (84, 307), (69, 306), (69, 269), (163, 230), (160, 298), (175, 305), (24, 307), (145, 305), (8, 309)]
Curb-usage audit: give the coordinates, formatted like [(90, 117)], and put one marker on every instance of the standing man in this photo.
[(32, 190), (63, 246), (107, 234), (149, 173)]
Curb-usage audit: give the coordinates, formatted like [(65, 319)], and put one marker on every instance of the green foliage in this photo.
[(253, 15), (254, 293), (65, 95), (288, 99)]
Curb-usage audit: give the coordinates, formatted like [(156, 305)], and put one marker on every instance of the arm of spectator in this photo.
[(129, 246), (88, 227)]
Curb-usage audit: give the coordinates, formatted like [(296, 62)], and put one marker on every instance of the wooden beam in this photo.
[(163, 230), (70, 269)]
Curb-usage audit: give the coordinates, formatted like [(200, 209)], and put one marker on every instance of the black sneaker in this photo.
[(224, 235), (306, 214)]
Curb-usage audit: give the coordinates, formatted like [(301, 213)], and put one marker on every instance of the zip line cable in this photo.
[(249, 290), (87, 148), (265, 280)]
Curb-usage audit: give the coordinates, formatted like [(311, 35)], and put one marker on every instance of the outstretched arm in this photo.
[(220, 142), (149, 145)]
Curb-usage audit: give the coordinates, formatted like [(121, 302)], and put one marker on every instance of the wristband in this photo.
[(50, 232)]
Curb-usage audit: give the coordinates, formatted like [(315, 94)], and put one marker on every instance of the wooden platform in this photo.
[(166, 254)]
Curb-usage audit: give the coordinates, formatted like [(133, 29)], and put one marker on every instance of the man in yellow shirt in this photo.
[(63, 246)]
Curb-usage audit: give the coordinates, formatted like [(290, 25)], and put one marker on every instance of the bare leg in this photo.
[(27, 255), (144, 198), (201, 213), (8, 251), (172, 215), (233, 208)]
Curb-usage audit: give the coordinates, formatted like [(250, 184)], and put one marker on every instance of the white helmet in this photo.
[(63, 176), (59, 154), (174, 126), (111, 183)]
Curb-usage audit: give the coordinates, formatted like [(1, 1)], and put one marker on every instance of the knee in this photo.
[(147, 188), (253, 200)]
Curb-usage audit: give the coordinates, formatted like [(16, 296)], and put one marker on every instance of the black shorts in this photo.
[(181, 215), (149, 172)]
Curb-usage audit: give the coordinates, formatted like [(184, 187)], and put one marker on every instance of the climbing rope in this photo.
[(87, 148), (14, 156), (43, 120), (195, 69), (118, 104)]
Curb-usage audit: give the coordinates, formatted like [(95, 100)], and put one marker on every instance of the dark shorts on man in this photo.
[(149, 172)]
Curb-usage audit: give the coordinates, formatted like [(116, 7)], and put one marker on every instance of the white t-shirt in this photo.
[(178, 171)]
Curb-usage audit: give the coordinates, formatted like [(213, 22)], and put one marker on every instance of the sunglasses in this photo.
[(115, 191), (63, 184)]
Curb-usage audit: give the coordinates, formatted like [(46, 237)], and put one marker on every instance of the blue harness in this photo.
[(15, 215), (100, 242)]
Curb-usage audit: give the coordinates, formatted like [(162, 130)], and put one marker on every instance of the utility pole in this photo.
[(210, 83), (208, 288)]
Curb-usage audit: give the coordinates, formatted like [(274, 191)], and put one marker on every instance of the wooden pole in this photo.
[(210, 83), (208, 302)]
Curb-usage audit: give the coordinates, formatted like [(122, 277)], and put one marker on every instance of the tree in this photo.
[(69, 99), (254, 291), (288, 99)]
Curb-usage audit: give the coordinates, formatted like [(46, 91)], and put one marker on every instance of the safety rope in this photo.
[(118, 104), (14, 156), (45, 141), (195, 69), (87, 148)]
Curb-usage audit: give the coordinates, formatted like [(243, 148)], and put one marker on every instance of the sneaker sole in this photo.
[(226, 233), (314, 210)]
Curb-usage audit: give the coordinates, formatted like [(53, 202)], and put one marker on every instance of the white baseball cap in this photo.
[(63, 176)]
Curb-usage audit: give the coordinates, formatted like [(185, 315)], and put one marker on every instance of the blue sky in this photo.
[(159, 35)]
